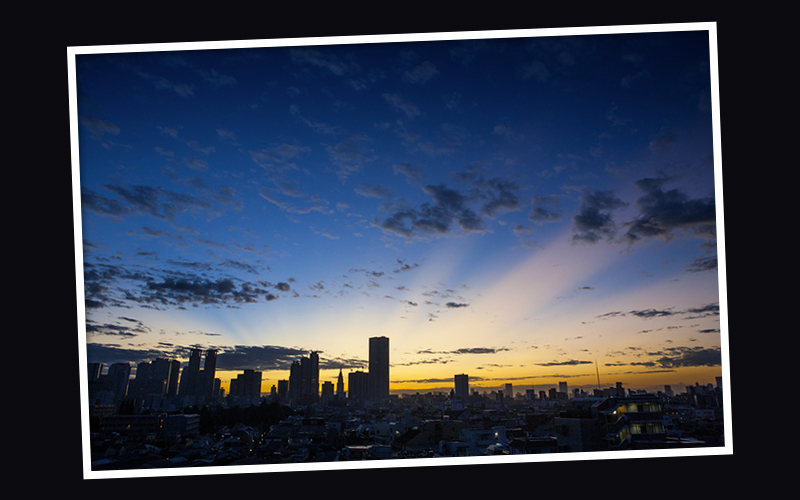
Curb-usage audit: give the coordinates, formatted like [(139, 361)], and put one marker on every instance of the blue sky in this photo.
[(517, 209)]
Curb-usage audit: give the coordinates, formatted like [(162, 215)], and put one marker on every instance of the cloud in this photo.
[(690, 356), (449, 207), (466, 350), (651, 313), (398, 103), (571, 362), (144, 200), (405, 267), (537, 70), (412, 172), (703, 264), (217, 79), (182, 89), (499, 196), (663, 213), (350, 155), (456, 305), (98, 128), (319, 59), (373, 191), (421, 74), (278, 158), (594, 221)]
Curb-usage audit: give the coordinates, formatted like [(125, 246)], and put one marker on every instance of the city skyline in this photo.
[(523, 210)]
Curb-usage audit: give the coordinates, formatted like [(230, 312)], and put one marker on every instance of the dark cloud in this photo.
[(449, 207), (144, 200), (109, 285), (540, 215), (651, 313), (98, 128), (456, 305), (265, 357), (498, 196), (467, 350), (706, 310), (571, 362), (421, 73), (114, 330), (690, 356), (373, 191), (662, 213), (412, 172), (405, 267), (703, 264), (594, 220)]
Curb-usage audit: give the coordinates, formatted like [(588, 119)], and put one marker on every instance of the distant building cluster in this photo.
[(167, 417)]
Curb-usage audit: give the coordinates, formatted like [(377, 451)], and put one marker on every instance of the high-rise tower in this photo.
[(190, 374), (378, 380), (461, 386), (206, 388)]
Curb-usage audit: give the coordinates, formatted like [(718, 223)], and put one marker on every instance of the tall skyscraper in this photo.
[(462, 386), (206, 388), (174, 376), (95, 370), (295, 387), (117, 379), (378, 380), (309, 370), (190, 374)]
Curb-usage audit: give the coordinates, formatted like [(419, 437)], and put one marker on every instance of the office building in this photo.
[(190, 374), (117, 380), (378, 380), (357, 385), (207, 388), (247, 386), (461, 386)]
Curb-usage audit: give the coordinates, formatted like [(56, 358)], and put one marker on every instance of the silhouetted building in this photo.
[(304, 380), (94, 371), (357, 385), (378, 381), (461, 386), (191, 374), (327, 392), (283, 389), (247, 386), (207, 389), (340, 385), (117, 380)]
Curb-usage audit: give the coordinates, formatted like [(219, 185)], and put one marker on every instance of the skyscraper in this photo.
[(206, 388), (117, 379), (357, 385), (462, 386), (295, 387), (378, 380), (190, 374)]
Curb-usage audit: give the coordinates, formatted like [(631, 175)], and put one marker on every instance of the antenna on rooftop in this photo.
[(598, 373)]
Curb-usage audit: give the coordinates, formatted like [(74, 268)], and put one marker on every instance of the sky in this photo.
[(524, 210)]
